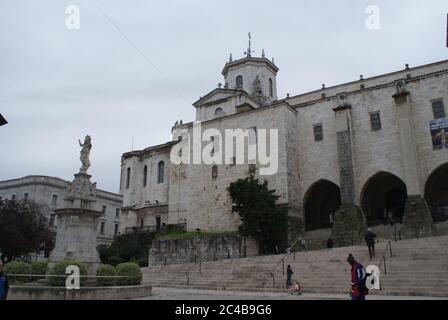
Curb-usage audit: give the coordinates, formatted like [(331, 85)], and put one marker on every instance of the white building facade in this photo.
[(49, 192), (377, 147)]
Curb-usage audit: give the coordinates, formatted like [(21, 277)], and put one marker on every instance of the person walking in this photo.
[(303, 244), (357, 275), (289, 274), (370, 240), (4, 284), (331, 219)]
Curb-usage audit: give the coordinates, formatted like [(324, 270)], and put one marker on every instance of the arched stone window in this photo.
[(219, 113), (161, 172), (271, 88), (128, 178), (145, 176), (239, 82), (214, 172)]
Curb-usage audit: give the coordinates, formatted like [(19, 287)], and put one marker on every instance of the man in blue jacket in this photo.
[(4, 284)]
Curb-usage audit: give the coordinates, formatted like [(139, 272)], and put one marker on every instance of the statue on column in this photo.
[(257, 86), (85, 153)]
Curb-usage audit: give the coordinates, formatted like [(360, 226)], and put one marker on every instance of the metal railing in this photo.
[(188, 271), (392, 236), (282, 262)]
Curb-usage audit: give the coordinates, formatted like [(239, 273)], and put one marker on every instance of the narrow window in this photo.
[(102, 227), (375, 121), (51, 222), (116, 228), (117, 213), (104, 209), (161, 172), (438, 109), (128, 178), (25, 197), (318, 132), (145, 176), (271, 88), (54, 200), (252, 168), (239, 82), (214, 172)]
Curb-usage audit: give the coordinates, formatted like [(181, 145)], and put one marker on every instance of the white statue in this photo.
[(85, 153)]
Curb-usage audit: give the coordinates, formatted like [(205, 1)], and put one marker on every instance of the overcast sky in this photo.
[(57, 85)]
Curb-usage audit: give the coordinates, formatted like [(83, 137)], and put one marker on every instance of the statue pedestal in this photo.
[(77, 225)]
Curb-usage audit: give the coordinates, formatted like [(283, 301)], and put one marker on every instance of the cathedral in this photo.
[(358, 154)]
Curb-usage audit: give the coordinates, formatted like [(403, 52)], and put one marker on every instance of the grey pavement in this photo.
[(160, 293)]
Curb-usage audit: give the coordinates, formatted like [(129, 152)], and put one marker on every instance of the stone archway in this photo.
[(383, 199), (321, 199), (436, 193)]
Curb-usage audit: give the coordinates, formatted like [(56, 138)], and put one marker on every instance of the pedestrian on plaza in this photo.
[(297, 290), (370, 241), (358, 291), (329, 243), (289, 274), (331, 219), (4, 284), (303, 244)]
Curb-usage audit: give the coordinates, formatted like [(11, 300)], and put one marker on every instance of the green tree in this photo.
[(23, 229), (260, 217)]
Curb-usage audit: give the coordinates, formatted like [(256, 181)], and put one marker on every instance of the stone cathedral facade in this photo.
[(366, 152)]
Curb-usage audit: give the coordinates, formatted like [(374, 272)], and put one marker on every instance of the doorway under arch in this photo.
[(383, 199), (436, 193), (321, 199)]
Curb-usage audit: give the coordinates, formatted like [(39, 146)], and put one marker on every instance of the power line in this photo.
[(138, 50)]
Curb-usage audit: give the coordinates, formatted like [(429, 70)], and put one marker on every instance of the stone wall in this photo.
[(207, 248)]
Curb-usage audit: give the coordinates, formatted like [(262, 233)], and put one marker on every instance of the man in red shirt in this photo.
[(358, 275)]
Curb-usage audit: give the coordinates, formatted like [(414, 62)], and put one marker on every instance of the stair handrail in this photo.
[(282, 260), (187, 272), (393, 233)]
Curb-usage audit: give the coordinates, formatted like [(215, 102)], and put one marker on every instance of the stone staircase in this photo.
[(418, 267)]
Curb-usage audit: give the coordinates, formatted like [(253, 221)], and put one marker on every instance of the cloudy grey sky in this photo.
[(56, 85)]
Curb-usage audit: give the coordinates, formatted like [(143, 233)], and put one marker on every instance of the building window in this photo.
[(104, 209), (116, 228), (233, 161), (117, 213), (252, 168), (375, 121), (25, 197), (54, 200), (51, 222), (102, 227), (145, 176), (128, 178), (271, 88), (161, 172), (438, 109), (239, 82), (214, 172), (219, 113), (318, 132)]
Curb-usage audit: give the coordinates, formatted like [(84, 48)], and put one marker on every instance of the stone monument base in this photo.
[(349, 226)]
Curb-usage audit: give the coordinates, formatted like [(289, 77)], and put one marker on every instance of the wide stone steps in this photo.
[(417, 267)]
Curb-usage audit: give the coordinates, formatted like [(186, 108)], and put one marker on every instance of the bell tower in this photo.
[(255, 75)]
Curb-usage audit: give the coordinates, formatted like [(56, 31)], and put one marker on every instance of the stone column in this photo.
[(349, 222), (417, 217)]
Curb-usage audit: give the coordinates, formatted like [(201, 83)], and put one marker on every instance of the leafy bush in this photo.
[(106, 270), (59, 269), (38, 268), (132, 271), (17, 267)]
